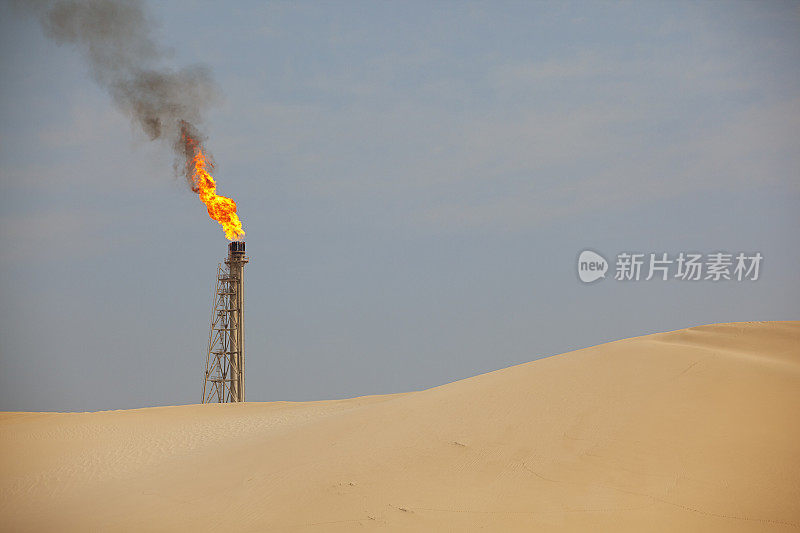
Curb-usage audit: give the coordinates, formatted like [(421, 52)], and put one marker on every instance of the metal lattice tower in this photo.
[(224, 376)]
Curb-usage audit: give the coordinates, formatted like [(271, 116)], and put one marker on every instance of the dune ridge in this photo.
[(694, 430)]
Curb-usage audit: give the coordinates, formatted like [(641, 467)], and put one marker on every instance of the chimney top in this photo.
[(236, 247)]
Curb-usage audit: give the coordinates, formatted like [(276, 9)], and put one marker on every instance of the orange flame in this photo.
[(220, 208)]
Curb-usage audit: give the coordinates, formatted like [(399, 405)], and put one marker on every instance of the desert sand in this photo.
[(692, 430)]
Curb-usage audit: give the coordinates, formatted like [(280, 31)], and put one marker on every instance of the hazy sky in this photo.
[(416, 181)]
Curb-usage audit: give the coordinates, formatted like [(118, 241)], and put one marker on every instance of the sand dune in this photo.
[(693, 430)]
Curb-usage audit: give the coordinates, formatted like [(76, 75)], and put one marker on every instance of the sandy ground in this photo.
[(693, 430)]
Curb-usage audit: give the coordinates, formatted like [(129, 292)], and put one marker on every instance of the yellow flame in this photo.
[(220, 208)]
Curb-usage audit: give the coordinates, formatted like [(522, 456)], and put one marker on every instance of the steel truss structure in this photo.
[(224, 375)]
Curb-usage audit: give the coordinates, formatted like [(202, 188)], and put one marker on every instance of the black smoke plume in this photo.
[(116, 39)]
